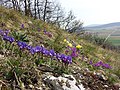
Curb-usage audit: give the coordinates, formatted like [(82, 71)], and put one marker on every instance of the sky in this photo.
[(93, 11)]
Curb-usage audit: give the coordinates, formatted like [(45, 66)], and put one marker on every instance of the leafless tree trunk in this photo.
[(35, 9), (29, 8), (38, 9), (26, 10), (45, 8)]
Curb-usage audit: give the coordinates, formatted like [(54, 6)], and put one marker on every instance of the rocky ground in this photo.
[(79, 79)]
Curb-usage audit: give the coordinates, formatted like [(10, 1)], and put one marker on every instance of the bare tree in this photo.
[(75, 26), (70, 17), (48, 11)]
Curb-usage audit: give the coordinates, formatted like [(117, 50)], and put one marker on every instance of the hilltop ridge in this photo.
[(104, 26)]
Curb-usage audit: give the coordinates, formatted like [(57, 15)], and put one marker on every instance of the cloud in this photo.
[(94, 11)]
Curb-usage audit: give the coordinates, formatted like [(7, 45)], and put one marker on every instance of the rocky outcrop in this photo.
[(63, 82)]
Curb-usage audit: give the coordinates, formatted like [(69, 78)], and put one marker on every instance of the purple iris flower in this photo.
[(45, 31), (64, 58), (43, 50), (97, 64), (22, 45), (74, 52), (6, 32), (22, 25), (69, 59), (106, 65), (33, 50), (29, 47), (58, 56), (37, 49), (8, 38), (1, 32), (66, 51), (100, 62), (90, 62), (74, 49), (52, 53), (46, 52)]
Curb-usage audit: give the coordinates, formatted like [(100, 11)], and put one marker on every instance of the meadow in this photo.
[(114, 38)]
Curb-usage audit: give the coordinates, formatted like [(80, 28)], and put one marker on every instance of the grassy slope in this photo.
[(13, 21)]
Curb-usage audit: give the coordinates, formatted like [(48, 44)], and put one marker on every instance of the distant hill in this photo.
[(93, 25), (105, 29), (114, 25)]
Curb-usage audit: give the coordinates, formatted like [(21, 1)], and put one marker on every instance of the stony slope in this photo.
[(92, 68)]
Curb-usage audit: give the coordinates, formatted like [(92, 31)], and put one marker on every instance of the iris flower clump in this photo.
[(8, 38), (22, 45), (67, 59), (45, 52), (100, 63), (74, 52), (4, 32)]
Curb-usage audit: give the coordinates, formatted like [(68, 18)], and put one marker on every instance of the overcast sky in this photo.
[(94, 11)]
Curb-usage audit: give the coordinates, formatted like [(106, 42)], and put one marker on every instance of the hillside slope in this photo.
[(35, 55)]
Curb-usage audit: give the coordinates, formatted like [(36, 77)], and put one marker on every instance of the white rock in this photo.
[(62, 79), (81, 87), (31, 86), (65, 80), (105, 85), (52, 78)]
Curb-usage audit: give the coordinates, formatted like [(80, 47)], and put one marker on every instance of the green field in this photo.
[(114, 37), (115, 40)]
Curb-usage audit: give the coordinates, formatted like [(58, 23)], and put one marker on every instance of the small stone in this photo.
[(39, 88), (104, 78), (106, 86), (43, 85), (87, 70), (29, 22), (31, 86)]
